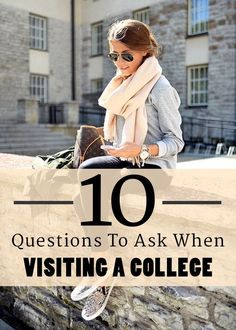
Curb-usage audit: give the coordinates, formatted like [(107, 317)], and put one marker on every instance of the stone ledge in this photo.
[(15, 161), (127, 308)]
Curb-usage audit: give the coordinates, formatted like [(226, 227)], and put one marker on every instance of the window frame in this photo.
[(97, 81), (190, 27), (200, 91), (97, 51), (141, 11), (32, 39), (42, 98)]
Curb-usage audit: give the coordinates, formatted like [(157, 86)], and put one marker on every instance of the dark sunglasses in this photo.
[(125, 56)]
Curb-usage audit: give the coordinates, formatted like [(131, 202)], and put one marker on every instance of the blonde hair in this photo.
[(136, 35)]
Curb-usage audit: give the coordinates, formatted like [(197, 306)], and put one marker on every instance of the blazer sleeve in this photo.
[(167, 102)]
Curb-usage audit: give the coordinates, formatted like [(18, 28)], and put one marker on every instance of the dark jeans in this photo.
[(111, 162)]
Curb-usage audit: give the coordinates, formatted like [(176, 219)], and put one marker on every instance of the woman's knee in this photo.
[(102, 162), (96, 162), (89, 163)]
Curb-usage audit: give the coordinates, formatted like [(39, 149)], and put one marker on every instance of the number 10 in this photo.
[(115, 201)]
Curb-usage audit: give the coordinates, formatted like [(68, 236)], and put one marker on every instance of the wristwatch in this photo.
[(144, 153)]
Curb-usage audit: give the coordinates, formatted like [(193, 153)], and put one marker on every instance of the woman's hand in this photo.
[(128, 150)]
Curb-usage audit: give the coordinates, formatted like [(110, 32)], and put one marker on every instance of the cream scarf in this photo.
[(127, 98)]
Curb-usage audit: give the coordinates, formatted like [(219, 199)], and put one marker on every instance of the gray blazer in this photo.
[(164, 122)]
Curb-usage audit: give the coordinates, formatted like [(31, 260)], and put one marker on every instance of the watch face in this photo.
[(144, 155)]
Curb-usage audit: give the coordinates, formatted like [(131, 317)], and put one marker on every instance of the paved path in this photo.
[(220, 162)]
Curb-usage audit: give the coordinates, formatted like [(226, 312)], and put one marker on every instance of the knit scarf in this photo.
[(127, 98)]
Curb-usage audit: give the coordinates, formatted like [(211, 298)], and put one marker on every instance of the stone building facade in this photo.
[(210, 50), (222, 64), (14, 60), (41, 70)]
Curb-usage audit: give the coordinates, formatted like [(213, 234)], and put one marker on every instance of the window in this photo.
[(198, 85), (97, 38), (142, 15), (198, 16), (96, 85), (39, 87), (38, 32)]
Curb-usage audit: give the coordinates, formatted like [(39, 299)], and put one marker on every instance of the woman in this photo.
[(142, 120)]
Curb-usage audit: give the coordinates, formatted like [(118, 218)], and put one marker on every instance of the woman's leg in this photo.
[(81, 206), (99, 295), (103, 162)]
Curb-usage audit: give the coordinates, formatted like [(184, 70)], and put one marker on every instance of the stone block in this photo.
[(185, 299), (196, 325), (28, 111), (59, 39), (48, 304), (71, 112), (31, 316), (138, 324), (225, 316), (14, 60), (20, 292), (78, 323), (6, 297), (163, 318), (229, 291)]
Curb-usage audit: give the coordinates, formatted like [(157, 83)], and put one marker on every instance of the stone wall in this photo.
[(222, 54), (84, 47), (169, 21), (14, 60), (59, 47), (157, 308)]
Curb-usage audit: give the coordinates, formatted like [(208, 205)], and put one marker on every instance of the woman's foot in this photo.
[(80, 292), (96, 302)]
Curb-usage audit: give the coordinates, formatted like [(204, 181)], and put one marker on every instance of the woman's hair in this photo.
[(136, 35)]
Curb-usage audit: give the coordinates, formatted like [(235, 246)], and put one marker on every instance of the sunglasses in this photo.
[(125, 56)]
